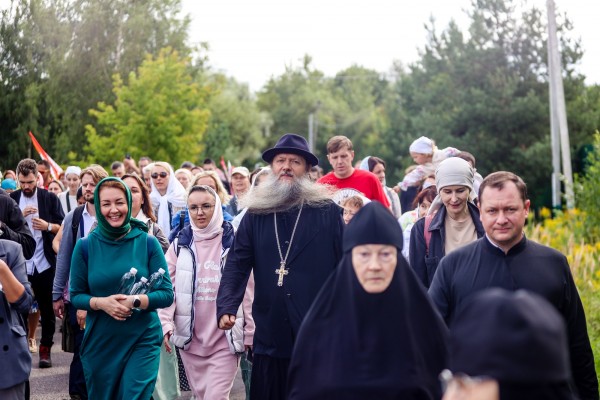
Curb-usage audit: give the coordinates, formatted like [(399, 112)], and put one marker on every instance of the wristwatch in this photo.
[(49, 227), (136, 301)]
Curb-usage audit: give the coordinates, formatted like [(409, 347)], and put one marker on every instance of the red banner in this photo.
[(55, 169)]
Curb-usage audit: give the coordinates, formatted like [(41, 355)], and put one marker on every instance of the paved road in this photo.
[(53, 383)]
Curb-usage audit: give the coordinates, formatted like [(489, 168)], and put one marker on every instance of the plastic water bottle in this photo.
[(140, 286), (127, 281), (155, 280)]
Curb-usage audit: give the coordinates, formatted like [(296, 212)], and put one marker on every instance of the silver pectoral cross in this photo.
[(281, 272)]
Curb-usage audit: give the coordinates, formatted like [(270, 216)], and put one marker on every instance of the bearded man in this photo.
[(291, 238), (44, 214)]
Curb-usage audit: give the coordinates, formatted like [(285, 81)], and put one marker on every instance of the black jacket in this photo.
[(13, 225), (426, 265), (51, 211)]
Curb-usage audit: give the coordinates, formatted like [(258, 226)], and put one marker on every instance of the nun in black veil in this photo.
[(372, 332)]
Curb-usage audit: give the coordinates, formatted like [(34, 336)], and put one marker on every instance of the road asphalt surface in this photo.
[(53, 383)]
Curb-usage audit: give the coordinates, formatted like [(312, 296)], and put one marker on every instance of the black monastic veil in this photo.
[(357, 345)]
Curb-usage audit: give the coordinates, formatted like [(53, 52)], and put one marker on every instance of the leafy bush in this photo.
[(587, 193), (566, 232)]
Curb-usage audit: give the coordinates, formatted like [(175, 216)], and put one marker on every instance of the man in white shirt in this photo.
[(44, 214)]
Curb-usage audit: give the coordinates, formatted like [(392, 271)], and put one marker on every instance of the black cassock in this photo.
[(278, 311), (528, 265)]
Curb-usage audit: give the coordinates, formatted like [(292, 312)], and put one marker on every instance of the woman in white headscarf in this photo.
[(167, 195), (452, 220), (68, 198), (195, 259)]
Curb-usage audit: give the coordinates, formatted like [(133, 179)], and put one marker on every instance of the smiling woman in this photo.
[(120, 351), (453, 219), (113, 204)]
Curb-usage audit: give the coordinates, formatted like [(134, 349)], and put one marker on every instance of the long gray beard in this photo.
[(274, 195)]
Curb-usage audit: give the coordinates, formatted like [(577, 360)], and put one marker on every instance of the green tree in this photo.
[(291, 97), (235, 128), (58, 58), (487, 92), (161, 111), (587, 192), (360, 93)]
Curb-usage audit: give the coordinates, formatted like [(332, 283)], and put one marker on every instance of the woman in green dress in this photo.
[(121, 347)]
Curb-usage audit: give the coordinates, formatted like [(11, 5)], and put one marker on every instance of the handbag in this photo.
[(68, 336)]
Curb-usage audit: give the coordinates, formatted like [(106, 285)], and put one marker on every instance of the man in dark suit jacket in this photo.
[(44, 214), (13, 226)]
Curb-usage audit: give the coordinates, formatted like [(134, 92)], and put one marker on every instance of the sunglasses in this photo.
[(156, 175)]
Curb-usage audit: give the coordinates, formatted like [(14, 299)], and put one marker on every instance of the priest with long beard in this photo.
[(291, 238)]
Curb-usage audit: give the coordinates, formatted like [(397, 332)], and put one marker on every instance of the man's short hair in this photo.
[(27, 166), (468, 157), (208, 161), (336, 143), (116, 165), (187, 165), (95, 171), (45, 163), (498, 179)]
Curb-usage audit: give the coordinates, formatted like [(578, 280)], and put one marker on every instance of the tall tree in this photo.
[(235, 128), (58, 59), (160, 112), (487, 92)]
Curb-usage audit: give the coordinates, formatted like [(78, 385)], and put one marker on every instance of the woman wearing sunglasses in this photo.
[(167, 195)]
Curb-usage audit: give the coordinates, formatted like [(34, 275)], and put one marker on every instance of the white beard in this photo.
[(274, 195)]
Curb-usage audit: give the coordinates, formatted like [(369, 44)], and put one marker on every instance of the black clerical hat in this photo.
[(293, 144)]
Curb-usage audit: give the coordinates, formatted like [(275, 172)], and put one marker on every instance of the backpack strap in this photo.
[(427, 233), (148, 245), (181, 220), (84, 249), (77, 223)]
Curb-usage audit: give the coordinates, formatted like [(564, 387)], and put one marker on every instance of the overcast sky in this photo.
[(254, 40)]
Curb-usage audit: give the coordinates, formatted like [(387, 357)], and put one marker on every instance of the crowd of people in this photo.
[(316, 286)]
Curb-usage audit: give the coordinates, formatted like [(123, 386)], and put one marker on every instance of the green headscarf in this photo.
[(104, 227)]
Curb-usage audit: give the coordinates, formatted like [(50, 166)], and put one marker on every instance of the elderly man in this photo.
[(291, 238), (505, 258)]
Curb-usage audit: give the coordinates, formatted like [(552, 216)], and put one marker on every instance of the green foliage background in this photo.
[(94, 80)]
